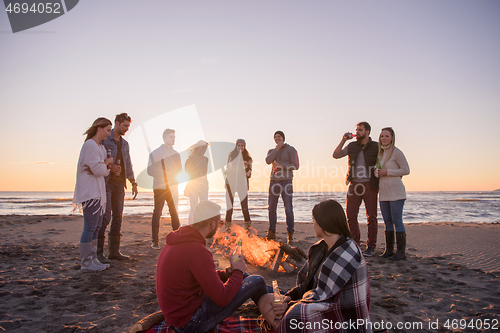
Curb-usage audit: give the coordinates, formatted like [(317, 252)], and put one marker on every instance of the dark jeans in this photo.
[(285, 189), (244, 205), (160, 196), (392, 212), (210, 314), (356, 193), (115, 198)]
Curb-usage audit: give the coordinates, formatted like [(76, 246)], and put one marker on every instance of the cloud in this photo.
[(43, 163)]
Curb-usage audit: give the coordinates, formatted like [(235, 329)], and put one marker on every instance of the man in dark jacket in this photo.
[(363, 183), (284, 159), (192, 294), (121, 170)]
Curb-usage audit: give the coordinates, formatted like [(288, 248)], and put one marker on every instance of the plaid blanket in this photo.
[(341, 298), (229, 325)]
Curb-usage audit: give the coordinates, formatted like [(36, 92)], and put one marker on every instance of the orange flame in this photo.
[(257, 251)]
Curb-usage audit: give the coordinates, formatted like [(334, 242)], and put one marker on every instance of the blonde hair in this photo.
[(99, 122), (385, 155)]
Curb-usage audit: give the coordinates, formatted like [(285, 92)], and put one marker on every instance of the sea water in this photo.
[(474, 207)]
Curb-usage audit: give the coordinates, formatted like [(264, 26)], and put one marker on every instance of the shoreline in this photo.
[(43, 290)]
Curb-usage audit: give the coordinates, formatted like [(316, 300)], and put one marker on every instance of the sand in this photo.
[(452, 273)]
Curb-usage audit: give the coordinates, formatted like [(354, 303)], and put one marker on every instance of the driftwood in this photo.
[(287, 267), (293, 252), (295, 263), (147, 322), (277, 260)]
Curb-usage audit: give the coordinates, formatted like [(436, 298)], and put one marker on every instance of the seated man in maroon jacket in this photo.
[(192, 294)]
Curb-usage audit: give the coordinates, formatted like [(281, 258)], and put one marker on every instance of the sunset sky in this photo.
[(244, 69)]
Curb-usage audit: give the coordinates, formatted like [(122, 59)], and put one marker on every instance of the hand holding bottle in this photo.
[(237, 259)]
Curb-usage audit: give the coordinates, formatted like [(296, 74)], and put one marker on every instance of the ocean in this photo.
[(473, 207)]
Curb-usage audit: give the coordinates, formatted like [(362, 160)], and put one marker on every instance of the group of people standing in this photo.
[(192, 293)]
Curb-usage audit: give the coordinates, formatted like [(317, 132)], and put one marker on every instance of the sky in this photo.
[(244, 69)]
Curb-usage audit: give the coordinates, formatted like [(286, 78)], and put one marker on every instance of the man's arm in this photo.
[(339, 152), (203, 269), (271, 156)]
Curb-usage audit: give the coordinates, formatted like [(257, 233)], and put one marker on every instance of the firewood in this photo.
[(147, 322), (302, 253), (277, 260), (291, 251), (287, 267), (295, 263)]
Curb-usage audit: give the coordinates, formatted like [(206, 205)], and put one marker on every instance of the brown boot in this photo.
[(248, 224), (271, 234), (289, 239)]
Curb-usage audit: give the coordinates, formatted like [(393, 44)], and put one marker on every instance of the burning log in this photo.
[(293, 252), (277, 260), (292, 261), (295, 263), (287, 267)]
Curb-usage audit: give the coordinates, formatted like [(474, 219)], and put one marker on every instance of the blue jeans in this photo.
[(92, 219), (115, 197), (285, 189), (210, 314), (392, 212)]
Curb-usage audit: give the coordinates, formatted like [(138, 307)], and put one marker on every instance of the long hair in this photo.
[(198, 149), (99, 122), (385, 154), (234, 153), (330, 216)]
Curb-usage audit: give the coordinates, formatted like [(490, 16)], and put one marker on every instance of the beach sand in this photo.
[(452, 273)]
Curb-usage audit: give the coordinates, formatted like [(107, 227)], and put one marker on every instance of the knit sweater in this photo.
[(391, 186), (90, 186)]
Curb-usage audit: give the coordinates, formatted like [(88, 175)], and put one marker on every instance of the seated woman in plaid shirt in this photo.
[(333, 287)]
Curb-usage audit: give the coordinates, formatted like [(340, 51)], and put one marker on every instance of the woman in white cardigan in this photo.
[(90, 191), (392, 193)]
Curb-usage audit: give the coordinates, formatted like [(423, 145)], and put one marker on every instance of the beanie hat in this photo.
[(280, 133), (241, 141)]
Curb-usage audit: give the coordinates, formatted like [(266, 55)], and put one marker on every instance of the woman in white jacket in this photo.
[(90, 191), (392, 193)]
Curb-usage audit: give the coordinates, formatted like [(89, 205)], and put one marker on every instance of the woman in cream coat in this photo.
[(392, 193), (90, 191)]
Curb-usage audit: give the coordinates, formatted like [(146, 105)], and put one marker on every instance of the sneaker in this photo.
[(369, 252), (155, 246)]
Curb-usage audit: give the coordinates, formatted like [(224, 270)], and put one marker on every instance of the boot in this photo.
[(86, 259), (100, 251), (94, 256), (228, 226), (289, 239), (271, 234), (248, 224), (389, 244), (114, 248), (400, 246)]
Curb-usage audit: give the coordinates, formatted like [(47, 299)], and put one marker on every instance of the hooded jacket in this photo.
[(288, 157), (186, 274)]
